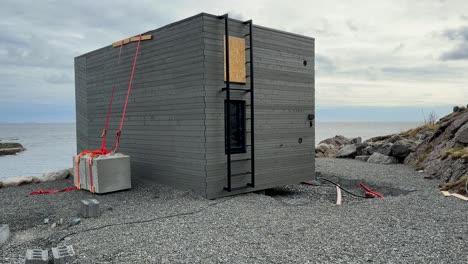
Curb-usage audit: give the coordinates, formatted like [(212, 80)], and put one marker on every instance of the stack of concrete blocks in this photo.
[(90, 208), (110, 173), (4, 233), (37, 256), (63, 254)]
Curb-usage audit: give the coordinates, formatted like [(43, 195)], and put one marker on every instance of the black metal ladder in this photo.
[(227, 115)]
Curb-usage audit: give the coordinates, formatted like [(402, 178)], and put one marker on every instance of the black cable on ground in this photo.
[(339, 186)]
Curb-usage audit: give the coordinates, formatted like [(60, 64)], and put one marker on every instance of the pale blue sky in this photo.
[(375, 60)]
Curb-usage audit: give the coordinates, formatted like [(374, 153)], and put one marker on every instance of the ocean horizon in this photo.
[(51, 146)]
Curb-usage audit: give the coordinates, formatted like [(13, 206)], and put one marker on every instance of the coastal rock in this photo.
[(378, 158), (361, 149), (378, 138), (337, 141), (444, 155), (322, 148), (56, 175), (400, 150), (382, 148), (394, 138), (53, 176), (348, 151), (356, 140)]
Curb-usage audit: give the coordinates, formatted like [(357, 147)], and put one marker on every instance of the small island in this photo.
[(10, 148)]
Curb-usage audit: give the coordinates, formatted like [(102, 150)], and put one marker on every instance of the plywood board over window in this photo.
[(236, 60)]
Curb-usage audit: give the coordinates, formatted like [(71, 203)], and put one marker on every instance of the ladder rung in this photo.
[(239, 160), (241, 174), (247, 48), (247, 35), (237, 89), (248, 62)]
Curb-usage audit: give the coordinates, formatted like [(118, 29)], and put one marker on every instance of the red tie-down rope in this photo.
[(117, 135), (109, 108)]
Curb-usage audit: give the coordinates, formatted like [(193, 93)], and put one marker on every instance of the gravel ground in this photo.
[(414, 223)]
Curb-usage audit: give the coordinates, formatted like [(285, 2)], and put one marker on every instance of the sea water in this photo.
[(49, 147)]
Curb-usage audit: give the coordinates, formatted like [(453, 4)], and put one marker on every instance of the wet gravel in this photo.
[(152, 223)]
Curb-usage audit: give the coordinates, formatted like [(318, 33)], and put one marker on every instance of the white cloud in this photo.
[(368, 52)]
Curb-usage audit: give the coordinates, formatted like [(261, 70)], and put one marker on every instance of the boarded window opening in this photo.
[(236, 60)]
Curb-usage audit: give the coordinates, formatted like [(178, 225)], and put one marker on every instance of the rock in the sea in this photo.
[(382, 148), (10, 148), (337, 141), (376, 157), (362, 158), (348, 151)]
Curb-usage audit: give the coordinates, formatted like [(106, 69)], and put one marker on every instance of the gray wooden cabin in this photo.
[(175, 129)]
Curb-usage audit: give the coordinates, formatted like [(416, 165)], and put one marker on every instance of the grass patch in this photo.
[(455, 153), (423, 156), (413, 132), (10, 145), (456, 186)]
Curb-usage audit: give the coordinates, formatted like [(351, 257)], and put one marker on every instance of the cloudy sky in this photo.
[(375, 60)]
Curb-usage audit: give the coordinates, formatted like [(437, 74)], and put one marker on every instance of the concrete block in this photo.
[(90, 208), (4, 233), (63, 254), (110, 173), (37, 256)]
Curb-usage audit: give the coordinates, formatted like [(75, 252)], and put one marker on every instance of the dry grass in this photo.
[(456, 186), (423, 156), (455, 153), (413, 132)]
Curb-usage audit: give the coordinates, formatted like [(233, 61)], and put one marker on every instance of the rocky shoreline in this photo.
[(439, 149)]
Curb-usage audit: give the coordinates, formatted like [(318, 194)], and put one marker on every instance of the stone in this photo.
[(456, 108), (53, 225), (356, 140), (46, 221), (400, 150), (382, 148), (348, 151), (74, 221), (322, 148), (394, 138), (4, 233), (462, 134), (56, 175), (36, 256), (90, 208), (379, 158), (63, 254), (362, 158), (336, 141), (361, 149)]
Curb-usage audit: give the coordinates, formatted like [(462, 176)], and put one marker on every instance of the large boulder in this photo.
[(338, 141), (356, 140), (348, 151), (401, 150), (10, 148), (381, 159), (361, 149), (384, 148), (462, 134)]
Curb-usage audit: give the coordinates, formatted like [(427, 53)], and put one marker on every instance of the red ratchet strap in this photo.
[(117, 135), (109, 108), (370, 192), (53, 191)]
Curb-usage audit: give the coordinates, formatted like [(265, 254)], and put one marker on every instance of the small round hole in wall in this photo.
[(299, 140), (304, 62)]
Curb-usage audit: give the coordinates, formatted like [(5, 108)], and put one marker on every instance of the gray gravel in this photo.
[(414, 223)]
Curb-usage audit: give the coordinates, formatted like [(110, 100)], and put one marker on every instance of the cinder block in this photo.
[(90, 208), (4, 233), (110, 173), (63, 254), (37, 256)]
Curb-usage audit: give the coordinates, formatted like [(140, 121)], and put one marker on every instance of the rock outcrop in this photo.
[(444, 155), (52, 176), (440, 149), (10, 148)]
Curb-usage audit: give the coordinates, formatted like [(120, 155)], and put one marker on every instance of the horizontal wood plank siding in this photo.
[(164, 130), (284, 97)]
